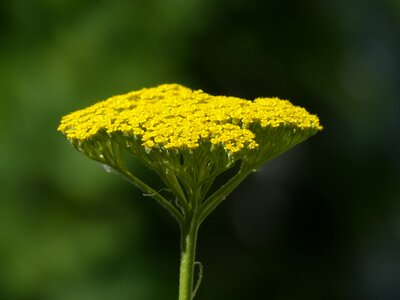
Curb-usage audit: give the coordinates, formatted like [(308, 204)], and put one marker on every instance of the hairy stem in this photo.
[(188, 251), (150, 191), (215, 199)]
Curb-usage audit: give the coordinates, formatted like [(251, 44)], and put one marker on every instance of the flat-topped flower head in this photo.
[(187, 136), (171, 116)]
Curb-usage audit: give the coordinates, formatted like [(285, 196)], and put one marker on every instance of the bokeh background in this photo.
[(320, 222)]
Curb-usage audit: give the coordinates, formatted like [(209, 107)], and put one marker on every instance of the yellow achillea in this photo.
[(171, 116), (189, 138)]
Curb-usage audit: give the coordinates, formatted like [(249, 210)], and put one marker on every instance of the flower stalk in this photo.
[(187, 261)]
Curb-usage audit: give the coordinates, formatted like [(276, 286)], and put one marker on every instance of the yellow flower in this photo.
[(173, 117), (188, 138)]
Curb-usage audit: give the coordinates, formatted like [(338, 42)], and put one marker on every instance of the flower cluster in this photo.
[(171, 116), (189, 138)]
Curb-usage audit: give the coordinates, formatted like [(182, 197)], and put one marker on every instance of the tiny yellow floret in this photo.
[(171, 116)]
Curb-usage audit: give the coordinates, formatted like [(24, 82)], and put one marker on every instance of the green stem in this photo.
[(173, 184), (215, 199), (188, 251), (150, 191)]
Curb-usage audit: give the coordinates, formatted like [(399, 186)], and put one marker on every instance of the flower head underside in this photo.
[(187, 137)]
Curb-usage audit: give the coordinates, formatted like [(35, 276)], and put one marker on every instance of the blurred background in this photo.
[(321, 221)]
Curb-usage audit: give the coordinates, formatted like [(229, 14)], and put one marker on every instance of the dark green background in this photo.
[(320, 222)]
